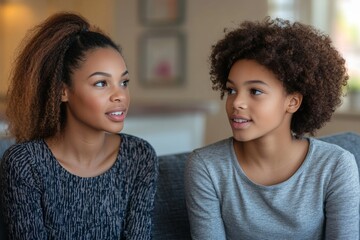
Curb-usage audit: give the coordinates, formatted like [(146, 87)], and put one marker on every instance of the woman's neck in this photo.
[(85, 155)]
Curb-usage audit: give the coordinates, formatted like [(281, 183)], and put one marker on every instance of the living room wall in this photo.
[(203, 24)]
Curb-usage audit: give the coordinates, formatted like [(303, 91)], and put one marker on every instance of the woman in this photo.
[(71, 175)]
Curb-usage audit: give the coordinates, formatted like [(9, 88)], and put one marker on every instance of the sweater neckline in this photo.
[(274, 186), (58, 166)]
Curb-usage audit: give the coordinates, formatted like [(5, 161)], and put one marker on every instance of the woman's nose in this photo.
[(118, 94)]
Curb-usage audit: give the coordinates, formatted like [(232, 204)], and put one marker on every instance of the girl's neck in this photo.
[(271, 160)]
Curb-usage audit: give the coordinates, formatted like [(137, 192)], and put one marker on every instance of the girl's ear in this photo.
[(294, 102), (64, 93)]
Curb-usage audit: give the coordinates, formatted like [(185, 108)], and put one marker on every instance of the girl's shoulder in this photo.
[(320, 147), (329, 156), (215, 149), (215, 155)]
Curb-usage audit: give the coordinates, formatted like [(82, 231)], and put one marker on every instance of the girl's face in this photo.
[(98, 98), (257, 104)]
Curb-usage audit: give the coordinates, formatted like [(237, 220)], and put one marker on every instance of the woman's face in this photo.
[(98, 98)]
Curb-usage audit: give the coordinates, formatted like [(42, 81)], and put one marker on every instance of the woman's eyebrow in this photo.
[(107, 74), (100, 73)]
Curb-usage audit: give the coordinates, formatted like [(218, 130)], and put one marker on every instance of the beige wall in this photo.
[(203, 25), (16, 17)]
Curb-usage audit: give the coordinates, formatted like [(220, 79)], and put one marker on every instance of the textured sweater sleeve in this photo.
[(342, 200), (141, 202), (20, 198), (202, 202)]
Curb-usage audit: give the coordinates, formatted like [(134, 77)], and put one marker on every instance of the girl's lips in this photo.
[(240, 123), (240, 120)]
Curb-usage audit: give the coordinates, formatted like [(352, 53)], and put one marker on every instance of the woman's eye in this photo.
[(230, 91), (100, 84), (255, 92), (125, 83)]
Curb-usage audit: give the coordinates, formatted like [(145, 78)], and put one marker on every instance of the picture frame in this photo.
[(162, 59), (161, 12)]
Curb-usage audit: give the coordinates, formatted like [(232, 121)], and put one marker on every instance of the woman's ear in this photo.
[(64, 93), (294, 102)]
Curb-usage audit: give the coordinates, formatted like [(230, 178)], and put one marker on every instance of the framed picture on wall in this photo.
[(161, 12), (162, 59)]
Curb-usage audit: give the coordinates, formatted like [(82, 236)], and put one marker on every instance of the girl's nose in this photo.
[(239, 102)]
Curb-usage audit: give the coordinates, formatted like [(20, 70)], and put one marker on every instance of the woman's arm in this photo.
[(342, 201), (202, 202), (20, 196), (138, 223)]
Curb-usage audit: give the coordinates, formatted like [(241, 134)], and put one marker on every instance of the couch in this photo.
[(170, 216)]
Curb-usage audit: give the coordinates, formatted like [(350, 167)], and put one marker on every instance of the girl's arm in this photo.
[(20, 197), (342, 201), (202, 202)]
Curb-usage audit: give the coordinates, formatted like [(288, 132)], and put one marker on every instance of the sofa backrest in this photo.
[(170, 214)]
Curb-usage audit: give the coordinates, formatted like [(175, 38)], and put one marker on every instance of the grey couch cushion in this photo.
[(5, 143), (170, 215)]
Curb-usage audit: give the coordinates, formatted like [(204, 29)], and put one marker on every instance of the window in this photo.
[(345, 32), (282, 9)]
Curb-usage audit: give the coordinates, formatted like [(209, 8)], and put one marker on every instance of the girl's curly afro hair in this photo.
[(301, 57)]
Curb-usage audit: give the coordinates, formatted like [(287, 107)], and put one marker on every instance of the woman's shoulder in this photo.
[(134, 141), (132, 145), (135, 151), (21, 155), (24, 148)]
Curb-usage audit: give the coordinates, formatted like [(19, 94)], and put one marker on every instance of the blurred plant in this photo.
[(354, 85)]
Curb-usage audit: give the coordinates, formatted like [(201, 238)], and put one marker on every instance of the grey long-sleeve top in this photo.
[(320, 201)]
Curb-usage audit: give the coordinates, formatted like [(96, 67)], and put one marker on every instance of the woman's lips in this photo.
[(117, 116)]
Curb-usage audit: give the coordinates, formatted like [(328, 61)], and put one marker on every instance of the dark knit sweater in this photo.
[(41, 200)]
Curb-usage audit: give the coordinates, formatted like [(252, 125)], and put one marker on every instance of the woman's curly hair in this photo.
[(301, 57), (47, 58)]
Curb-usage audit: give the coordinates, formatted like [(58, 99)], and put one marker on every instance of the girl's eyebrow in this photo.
[(107, 74), (248, 82)]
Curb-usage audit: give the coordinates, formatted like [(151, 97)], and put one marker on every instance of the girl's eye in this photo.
[(230, 91), (125, 83), (100, 84), (255, 92)]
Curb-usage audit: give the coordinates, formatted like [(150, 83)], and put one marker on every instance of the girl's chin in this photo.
[(240, 137)]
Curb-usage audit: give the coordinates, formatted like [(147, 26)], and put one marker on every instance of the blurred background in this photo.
[(166, 45)]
